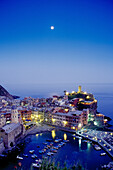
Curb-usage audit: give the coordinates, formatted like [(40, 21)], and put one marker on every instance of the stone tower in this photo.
[(79, 89), (14, 115)]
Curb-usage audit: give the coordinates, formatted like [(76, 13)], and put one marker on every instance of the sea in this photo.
[(76, 150)]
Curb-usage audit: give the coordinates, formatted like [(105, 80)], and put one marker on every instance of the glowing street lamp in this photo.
[(95, 123), (53, 120), (73, 92), (64, 122), (67, 93), (79, 125)]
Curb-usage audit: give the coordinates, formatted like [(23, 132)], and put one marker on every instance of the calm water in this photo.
[(75, 150)]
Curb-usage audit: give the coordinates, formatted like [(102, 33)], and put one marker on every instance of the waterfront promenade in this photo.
[(104, 139), (38, 129)]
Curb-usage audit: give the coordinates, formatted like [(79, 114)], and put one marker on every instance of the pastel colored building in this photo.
[(2, 120)]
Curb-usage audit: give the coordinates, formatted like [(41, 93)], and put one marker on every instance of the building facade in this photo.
[(11, 133)]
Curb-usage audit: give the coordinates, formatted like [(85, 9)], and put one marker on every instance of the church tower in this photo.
[(79, 89), (14, 115)]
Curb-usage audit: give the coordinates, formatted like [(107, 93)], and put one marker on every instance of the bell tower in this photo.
[(79, 89), (14, 115)]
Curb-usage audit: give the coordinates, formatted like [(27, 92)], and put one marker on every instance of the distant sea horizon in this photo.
[(103, 92)]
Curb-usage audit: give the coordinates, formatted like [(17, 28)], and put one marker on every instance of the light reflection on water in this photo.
[(88, 146), (80, 144), (53, 134), (65, 136), (73, 151)]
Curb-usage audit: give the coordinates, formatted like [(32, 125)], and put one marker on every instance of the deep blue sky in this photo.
[(79, 49)]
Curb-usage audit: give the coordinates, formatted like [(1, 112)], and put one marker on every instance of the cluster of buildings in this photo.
[(72, 110)]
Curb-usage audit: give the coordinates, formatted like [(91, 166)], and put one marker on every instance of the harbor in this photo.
[(56, 143), (99, 137)]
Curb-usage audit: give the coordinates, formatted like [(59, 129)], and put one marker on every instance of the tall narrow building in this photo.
[(79, 89), (14, 115)]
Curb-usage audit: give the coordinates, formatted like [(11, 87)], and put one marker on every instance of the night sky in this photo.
[(79, 49)]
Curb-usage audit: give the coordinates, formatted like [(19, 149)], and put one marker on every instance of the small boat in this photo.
[(63, 143), (49, 154), (45, 157), (59, 145), (102, 154), (31, 151), (25, 155), (109, 166), (36, 165), (34, 156), (44, 143), (66, 141), (45, 147), (19, 157), (52, 153), (97, 147), (54, 150), (48, 146), (58, 140), (41, 151), (104, 166), (56, 147), (51, 144), (38, 160)]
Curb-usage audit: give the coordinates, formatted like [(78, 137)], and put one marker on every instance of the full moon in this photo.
[(52, 27)]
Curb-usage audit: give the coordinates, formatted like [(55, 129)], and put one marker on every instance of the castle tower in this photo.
[(79, 89), (14, 115)]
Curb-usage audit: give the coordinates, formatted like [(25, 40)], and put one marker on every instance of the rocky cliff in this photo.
[(4, 92)]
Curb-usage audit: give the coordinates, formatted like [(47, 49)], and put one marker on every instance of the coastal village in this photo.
[(75, 112)]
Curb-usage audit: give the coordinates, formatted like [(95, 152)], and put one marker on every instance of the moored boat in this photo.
[(41, 151), (31, 151), (63, 143), (49, 154), (97, 147), (34, 156), (19, 157), (36, 165), (57, 140), (56, 147), (66, 141), (48, 146), (45, 147), (54, 150), (102, 154), (25, 155), (44, 143)]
